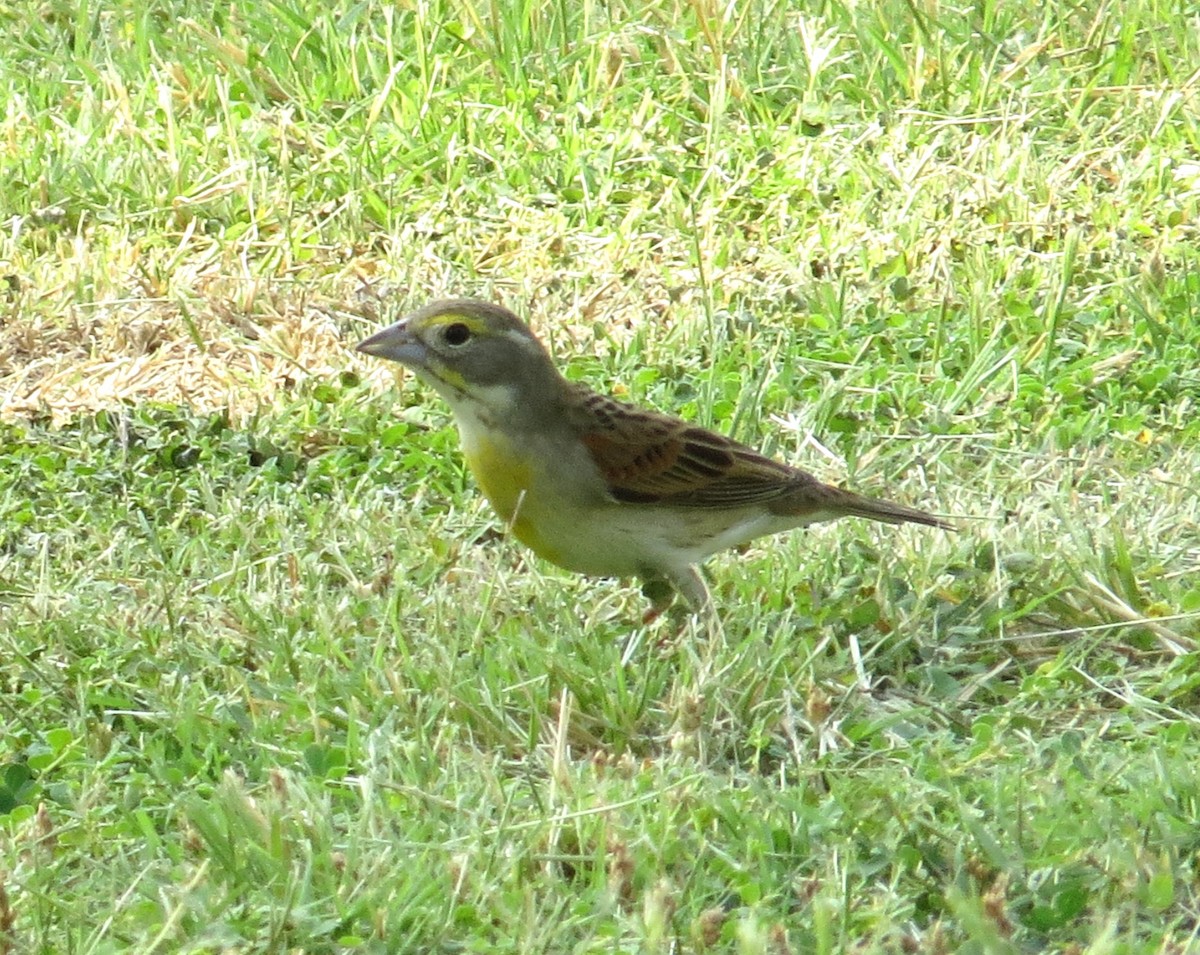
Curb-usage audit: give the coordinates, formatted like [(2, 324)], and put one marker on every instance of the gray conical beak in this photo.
[(395, 343)]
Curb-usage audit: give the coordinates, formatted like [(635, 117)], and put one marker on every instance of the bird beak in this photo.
[(396, 343)]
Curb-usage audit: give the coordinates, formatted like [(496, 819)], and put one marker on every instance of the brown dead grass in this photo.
[(213, 336), (145, 351), (104, 317)]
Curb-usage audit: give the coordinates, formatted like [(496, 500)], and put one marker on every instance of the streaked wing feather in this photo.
[(650, 458)]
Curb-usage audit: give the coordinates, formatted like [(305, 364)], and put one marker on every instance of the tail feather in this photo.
[(887, 512), (809, 500)]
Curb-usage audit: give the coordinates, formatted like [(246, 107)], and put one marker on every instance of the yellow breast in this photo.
[(500, 472), (509, 481)]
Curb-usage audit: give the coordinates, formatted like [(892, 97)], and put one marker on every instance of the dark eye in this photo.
[(456, 334)]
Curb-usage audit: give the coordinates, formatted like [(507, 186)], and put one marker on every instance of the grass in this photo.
[(274, 682)]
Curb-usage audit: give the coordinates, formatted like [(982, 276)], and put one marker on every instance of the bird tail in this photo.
[(877, 510)]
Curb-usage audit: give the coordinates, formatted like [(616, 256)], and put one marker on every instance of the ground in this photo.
[(275, 680)]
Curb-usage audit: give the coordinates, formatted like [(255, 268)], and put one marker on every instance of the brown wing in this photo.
[(650, 458)]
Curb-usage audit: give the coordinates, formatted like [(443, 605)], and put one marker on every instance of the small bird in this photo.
[(595, 485)]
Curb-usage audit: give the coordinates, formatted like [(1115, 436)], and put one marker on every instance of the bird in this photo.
[(593, 484)]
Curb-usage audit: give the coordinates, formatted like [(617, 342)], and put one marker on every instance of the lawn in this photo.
[(272, 677)]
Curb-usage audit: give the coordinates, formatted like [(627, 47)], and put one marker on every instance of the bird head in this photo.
[(473, 353)]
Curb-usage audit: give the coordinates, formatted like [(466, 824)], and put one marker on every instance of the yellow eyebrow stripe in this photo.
[(475, 326)]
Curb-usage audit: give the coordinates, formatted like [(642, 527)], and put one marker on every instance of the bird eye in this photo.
[(456, 334)]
